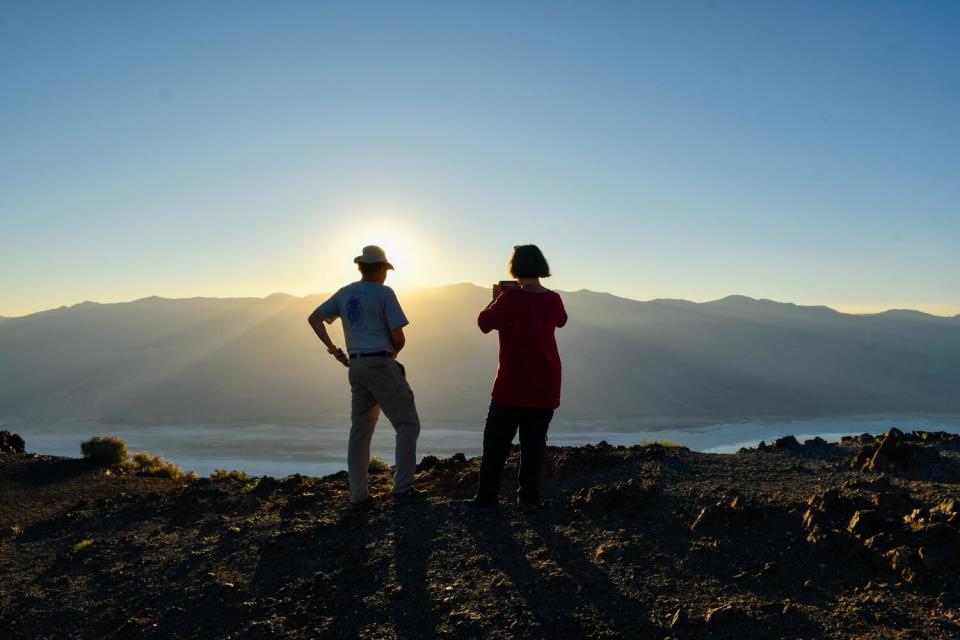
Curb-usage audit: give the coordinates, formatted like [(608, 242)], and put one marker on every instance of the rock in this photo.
[(826, 500), (619, 495), (654, 450), (860, 461), (610, 551), (769, 570), (936, 436), (679, 618), (726, 614), (428, 463), (786, 442), (728, 511), (881, 540), (946, 510), (865, 523), (824, 509), (815, 442), (934, 558), (891, 453), (706, 515), (11, 443), (900, 558), (898, 501), (295, 480)]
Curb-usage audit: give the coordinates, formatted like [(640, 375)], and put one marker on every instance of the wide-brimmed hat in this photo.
[(373, 254)]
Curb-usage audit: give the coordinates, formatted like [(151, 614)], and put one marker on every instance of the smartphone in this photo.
[(503, 285)]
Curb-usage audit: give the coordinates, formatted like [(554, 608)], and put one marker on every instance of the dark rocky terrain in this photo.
[(852, 540)]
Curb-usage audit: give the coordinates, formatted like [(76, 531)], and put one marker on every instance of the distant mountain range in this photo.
[(242, 359)]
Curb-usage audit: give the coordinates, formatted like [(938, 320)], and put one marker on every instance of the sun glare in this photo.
[(403, 245)]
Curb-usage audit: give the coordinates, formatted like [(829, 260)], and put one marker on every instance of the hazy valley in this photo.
[(208, 360)]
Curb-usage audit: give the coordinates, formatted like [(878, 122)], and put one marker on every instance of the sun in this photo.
[(403, 244)]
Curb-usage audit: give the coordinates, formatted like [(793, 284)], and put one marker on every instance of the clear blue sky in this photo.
[(800, 151)]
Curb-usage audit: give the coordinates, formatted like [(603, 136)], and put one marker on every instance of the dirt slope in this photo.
[(785, 542)]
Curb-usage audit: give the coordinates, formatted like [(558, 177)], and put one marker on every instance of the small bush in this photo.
[(378, 464), (83, 544), (250, 486), (106, 451), (666, 444), (223, 474), (145, 464)]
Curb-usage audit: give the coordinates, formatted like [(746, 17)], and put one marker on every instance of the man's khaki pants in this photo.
[(380, 383)]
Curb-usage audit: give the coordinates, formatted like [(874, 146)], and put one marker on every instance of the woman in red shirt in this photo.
[(527, 387)]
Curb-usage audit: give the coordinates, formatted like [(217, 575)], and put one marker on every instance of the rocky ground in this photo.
[(814, 540)]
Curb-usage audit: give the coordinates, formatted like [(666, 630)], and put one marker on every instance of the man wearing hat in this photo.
[(373, 325)]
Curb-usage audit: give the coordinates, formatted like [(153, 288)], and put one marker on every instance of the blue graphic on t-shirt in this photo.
[(355, 312), (370, 312)]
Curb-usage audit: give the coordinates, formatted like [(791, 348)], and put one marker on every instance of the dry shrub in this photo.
[(666, 444), (378, 465), (106, 451), (82, 545), (145, 464), (223, 474)]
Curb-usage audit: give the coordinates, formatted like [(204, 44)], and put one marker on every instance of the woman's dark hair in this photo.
[(366, 268), (528, 262)]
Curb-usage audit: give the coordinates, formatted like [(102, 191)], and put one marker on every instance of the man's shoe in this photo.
[(366, 503), (476, 504), (410, 494)]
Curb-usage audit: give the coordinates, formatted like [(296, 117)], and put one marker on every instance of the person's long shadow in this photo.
[(413, 541), (327, 583), (626, 615), (555, 597), (552, 605)]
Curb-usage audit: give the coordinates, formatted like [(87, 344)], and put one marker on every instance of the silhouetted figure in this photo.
[(373, 325), (527, 387)]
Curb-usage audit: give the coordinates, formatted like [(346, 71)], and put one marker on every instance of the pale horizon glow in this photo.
[(799, 152)]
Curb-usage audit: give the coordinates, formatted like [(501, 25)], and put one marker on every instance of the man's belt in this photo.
[(375, 354)]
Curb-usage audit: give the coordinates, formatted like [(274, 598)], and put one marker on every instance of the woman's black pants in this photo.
[(502, 425)]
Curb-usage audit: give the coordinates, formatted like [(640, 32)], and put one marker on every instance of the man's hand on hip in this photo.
[(338, 353)]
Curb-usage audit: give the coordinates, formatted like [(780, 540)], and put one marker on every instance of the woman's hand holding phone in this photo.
[(502, 286)]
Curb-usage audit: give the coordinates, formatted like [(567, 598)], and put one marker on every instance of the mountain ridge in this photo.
[(728, 299), (192, 360)]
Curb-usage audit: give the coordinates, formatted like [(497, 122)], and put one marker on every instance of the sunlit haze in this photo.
[(802, 152)]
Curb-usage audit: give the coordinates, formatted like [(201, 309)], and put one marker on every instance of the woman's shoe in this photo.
[(364, 504), (410, 495)]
